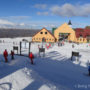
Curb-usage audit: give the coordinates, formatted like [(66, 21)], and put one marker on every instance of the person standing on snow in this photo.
[(31, 56), (62, 42), (89, 69), (5, 54), (12, 54), (38, 46), (49, 45), (72, 45)]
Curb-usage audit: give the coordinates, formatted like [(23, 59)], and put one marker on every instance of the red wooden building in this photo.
[(82, 34)]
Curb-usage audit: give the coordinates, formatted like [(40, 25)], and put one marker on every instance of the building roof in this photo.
[(47, 31), (82, 32), (64, 28)]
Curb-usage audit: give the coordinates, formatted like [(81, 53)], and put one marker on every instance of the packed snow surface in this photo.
[(54, 71)]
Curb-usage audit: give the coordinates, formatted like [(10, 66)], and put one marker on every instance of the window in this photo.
[(45, 32), (88, 36), (80, 39), (81, 36), (81, 30), (47, 39), (41, 32)]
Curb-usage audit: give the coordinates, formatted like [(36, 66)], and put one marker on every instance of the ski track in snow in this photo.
[(55, 71)]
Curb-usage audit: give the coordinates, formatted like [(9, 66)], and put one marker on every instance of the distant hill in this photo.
[(12, 33)]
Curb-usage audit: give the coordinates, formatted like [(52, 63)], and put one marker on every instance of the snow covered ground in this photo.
[(55, 71)]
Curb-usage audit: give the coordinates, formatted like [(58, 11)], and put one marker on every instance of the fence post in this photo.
[(20, 47), (29, 46)]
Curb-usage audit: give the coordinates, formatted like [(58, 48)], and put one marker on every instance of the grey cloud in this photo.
[(69, 10)]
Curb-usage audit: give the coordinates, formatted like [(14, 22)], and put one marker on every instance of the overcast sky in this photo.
[(44, 13)]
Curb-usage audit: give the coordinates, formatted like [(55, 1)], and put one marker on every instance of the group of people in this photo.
[(46, 45), (61, 43), (5, 54), (31, 56)]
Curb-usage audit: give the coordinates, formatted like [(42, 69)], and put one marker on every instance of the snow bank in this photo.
[(55, 71)]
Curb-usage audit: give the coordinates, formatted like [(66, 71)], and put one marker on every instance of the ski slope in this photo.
[(55, 71)]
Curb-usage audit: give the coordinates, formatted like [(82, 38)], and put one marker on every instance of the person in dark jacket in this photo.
[(31, 56), (38, 46), (5, 54), (12, 54), (89, 69)]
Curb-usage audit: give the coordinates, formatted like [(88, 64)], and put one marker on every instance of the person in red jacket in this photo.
[(12, 54), (31, 56), (49, 45), (5, 54)]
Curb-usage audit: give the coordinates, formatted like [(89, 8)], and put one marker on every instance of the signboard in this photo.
[(15, 48), (75, 54), (41, 49)]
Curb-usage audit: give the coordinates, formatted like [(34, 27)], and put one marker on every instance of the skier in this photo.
[(5, 54), (12, 54), (46, 45), (89, 45), (31, 56), (89, 69), (38, 46), (49, 45), (62, 43), (72, 45)]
